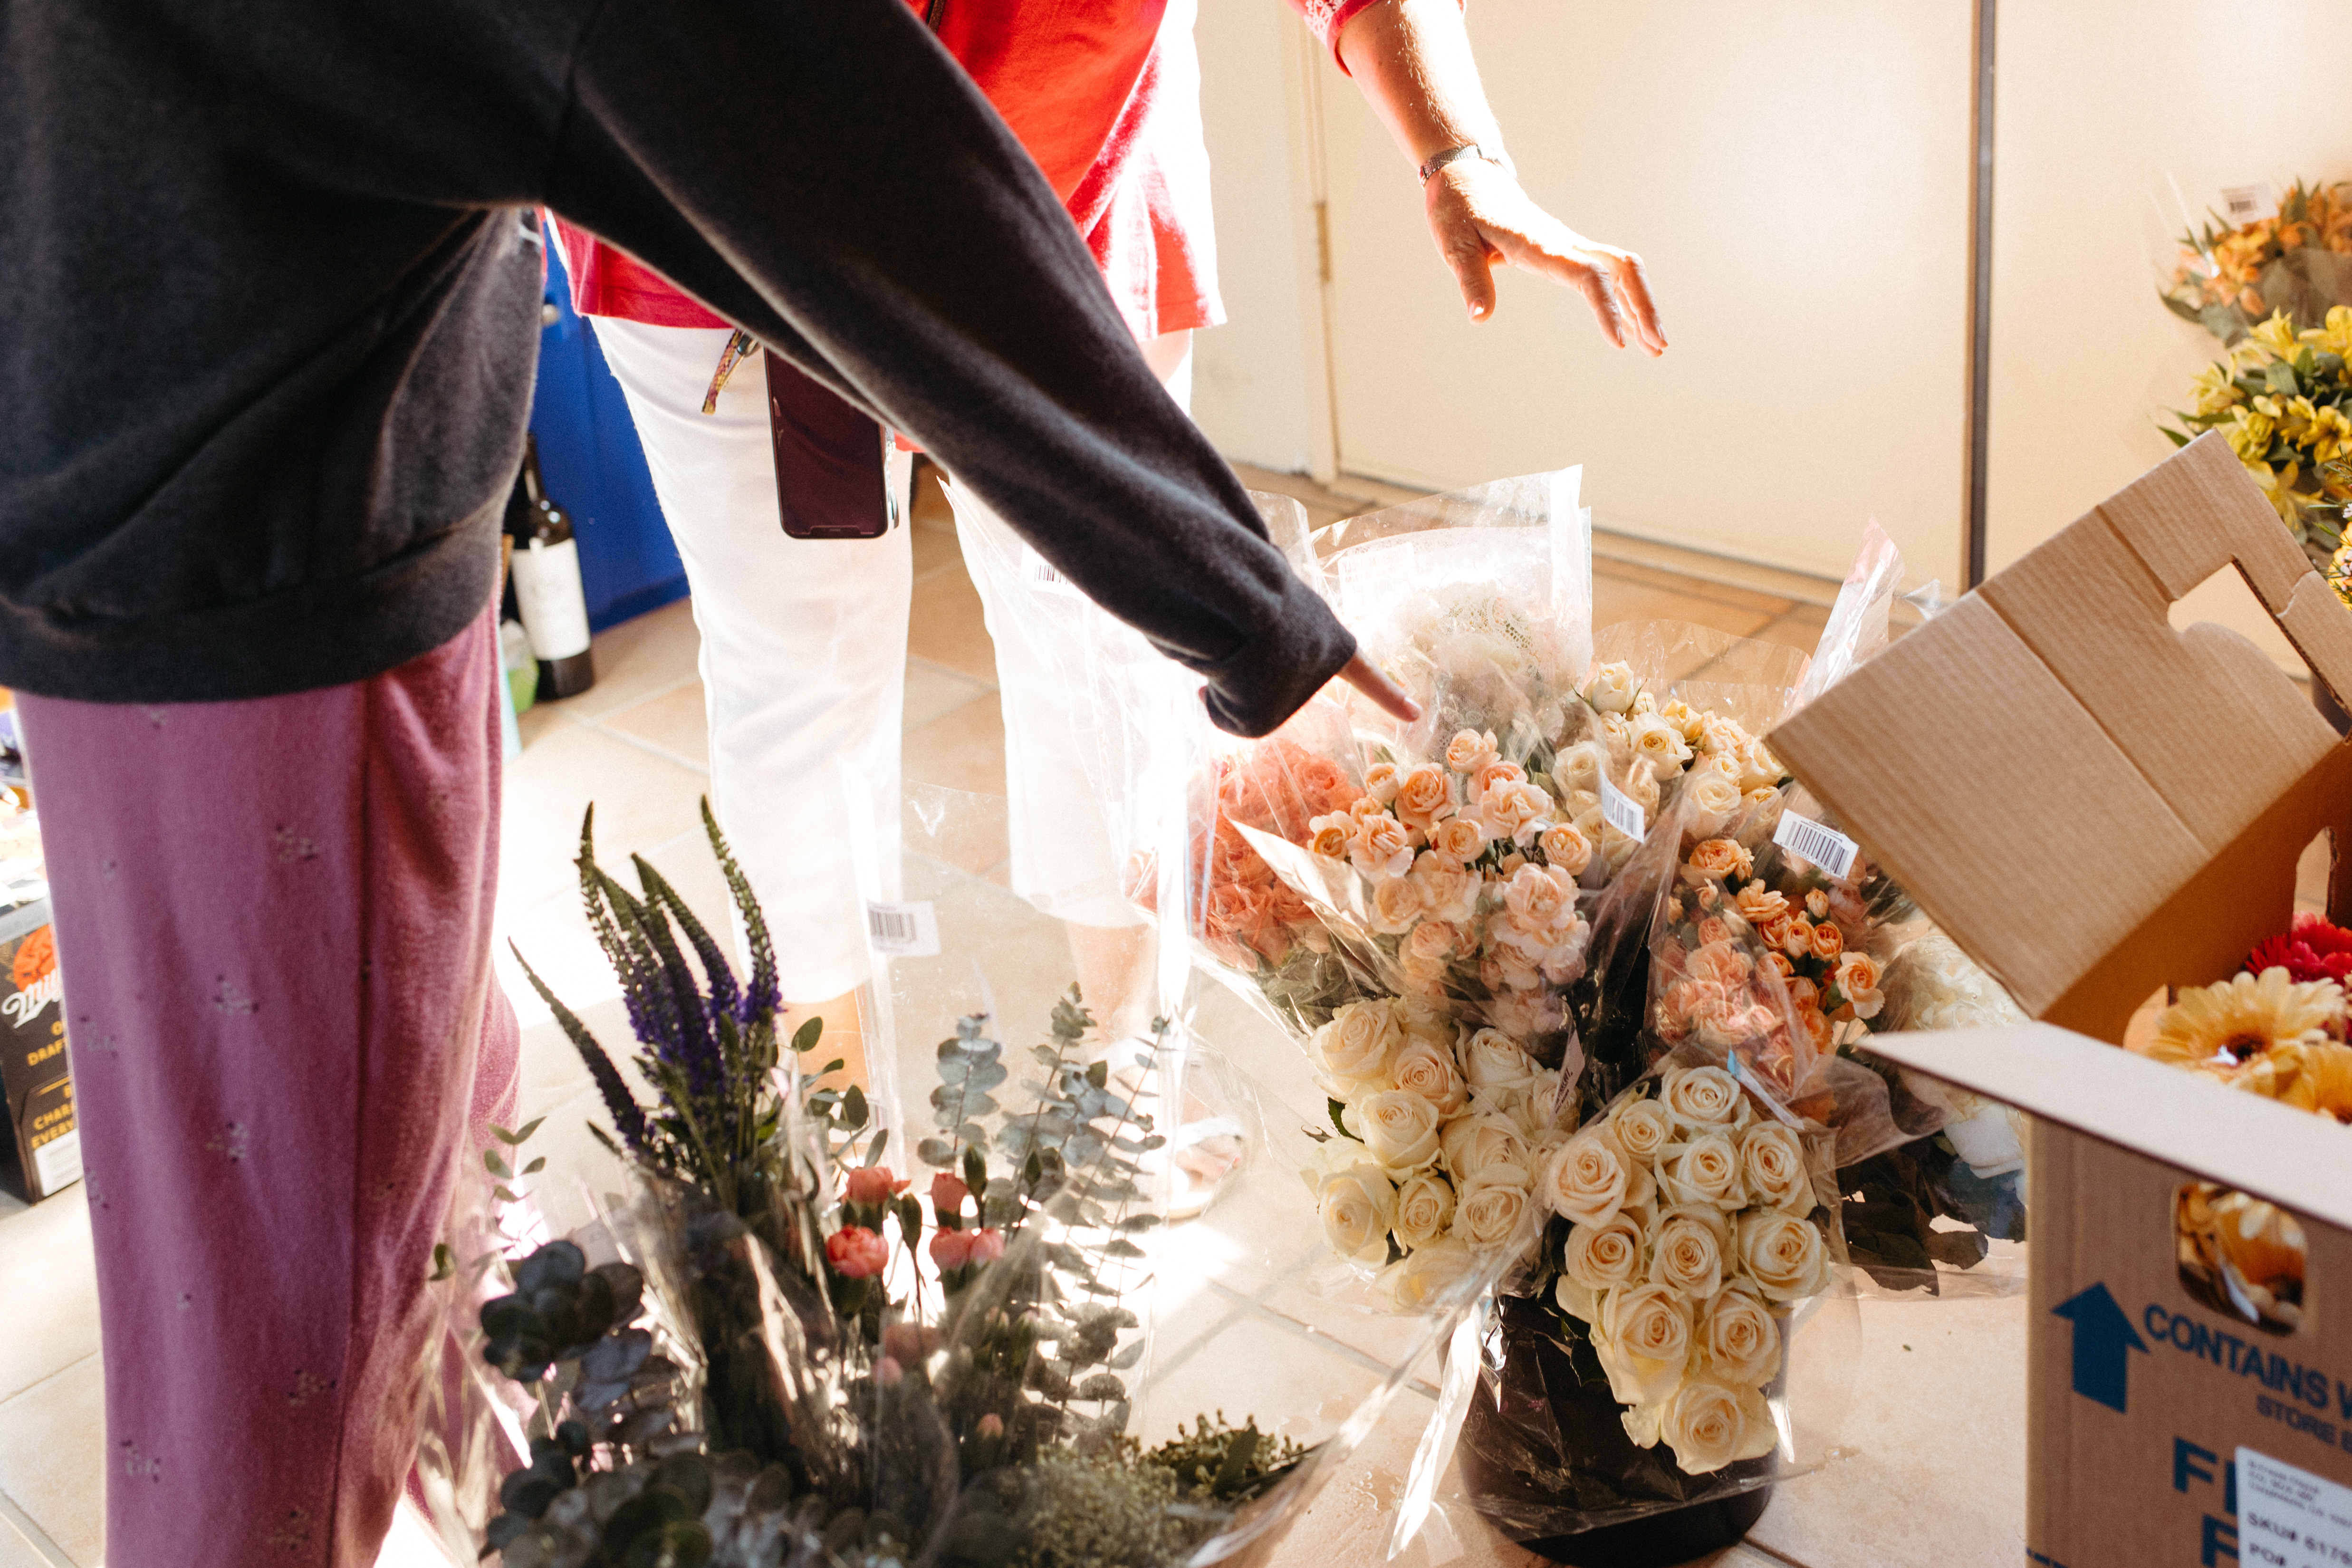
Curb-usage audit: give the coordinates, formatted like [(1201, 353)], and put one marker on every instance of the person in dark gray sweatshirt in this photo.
[(267, 319)]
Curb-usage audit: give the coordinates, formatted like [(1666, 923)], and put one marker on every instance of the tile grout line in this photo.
[(32, 1535)]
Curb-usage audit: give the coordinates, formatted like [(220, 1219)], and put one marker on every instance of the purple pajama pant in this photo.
[(273, 923)]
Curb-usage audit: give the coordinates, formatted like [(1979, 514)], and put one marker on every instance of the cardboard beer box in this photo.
[(42, 1150), (2096, 805)]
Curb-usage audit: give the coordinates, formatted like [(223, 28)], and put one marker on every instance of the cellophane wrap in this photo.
[(1456, 924), (938, 1315)]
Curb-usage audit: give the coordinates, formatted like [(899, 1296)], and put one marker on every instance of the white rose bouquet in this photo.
[(1691, 1235)]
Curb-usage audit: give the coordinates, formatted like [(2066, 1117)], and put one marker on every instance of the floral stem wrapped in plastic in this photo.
[(777, 1352)]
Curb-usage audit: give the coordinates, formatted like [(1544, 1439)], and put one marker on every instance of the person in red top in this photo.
[(1105, 94)]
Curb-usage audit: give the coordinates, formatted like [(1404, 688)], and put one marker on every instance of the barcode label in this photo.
[(1039, 575), (2249, 204), (1621, 811), (903, 931), (1808, 840)]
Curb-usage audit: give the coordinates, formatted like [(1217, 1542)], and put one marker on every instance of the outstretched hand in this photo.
[(1387, 696), (1479, 216)]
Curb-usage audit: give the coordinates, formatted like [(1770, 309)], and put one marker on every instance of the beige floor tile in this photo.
[(935, 548), (970, 836), (1936, 1424), (541, 720), (962, 749), (1677, 582), (52, 1290), (638, 658), (53, 1458), (676, 720), (1616, 598), (931, 692), (641, 800), (946, 626), (1257, 1367), (15, 1550)]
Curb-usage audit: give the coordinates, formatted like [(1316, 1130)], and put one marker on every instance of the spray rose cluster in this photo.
[(1690, 1237)]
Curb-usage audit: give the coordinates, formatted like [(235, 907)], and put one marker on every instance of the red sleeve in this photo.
[(608, 281)]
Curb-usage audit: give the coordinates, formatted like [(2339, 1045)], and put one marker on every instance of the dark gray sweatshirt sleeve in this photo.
[(821, 173)]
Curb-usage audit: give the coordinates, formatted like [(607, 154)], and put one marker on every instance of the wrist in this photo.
[(1485, 151)]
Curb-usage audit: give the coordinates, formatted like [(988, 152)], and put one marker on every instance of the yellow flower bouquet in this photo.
[(2282, 399)]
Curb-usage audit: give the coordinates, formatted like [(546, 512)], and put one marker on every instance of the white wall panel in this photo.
[(1796, 175), (2098, 100)]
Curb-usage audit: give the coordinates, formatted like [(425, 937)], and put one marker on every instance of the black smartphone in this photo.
[(832, 472)]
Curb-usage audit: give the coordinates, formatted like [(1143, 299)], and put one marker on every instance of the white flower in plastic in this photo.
[(1759, 768), (1579, 768), (1429, 1072), (1488, 1148), (1612, 687), (1687, 1252), (1713, 799), (1781, 1254), (1397, 905), (1617, 733), (1399, 1128), (1488, 1213), (1659, 745), (1358, 1208), (1380, 782), (1679, 713), (1707, 1424), (1720, 733), (1772, 1163), (1700, 1097), (1358, 1044), (1565, 845), (1448, 890), (1642, 1127), (1492, 1059), (1427, 1024), (1598, 1258), (1738, 1340), (1418, 1279), (1642, 1337), (1703, 1170), (1424, 1207), (1526, 1013), (1592, 1179)]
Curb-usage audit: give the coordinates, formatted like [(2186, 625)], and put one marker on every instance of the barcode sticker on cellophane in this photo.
[(1039, 575), (903, 931), (1809, 840), (2249, 204), (1622, 811)]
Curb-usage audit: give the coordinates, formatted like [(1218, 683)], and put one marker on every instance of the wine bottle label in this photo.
[(554, 608)]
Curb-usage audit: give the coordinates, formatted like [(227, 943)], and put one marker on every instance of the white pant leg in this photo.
[(1065, 676), (803, 651)]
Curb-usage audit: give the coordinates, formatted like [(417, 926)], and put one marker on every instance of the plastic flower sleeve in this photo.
[(2228, 257)]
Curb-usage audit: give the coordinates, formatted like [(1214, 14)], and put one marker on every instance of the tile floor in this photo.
[(1254, 1309)]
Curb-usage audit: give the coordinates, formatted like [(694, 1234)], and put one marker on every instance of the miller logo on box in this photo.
[(42, 1150)]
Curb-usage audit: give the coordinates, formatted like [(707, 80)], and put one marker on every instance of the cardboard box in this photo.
[(42, 1151), (2096, 805)]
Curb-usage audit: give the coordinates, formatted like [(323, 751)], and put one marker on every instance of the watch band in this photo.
[(1493, 156)]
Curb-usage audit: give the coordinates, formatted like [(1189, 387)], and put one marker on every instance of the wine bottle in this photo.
[(547, 583)]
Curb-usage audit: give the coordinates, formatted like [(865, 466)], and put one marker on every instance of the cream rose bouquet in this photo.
[(1690, 1208)]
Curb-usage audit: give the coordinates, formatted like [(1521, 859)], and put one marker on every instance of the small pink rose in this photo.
[(872, 1184), (948, 1194), (952, 1249), (987, 1246), (857, 1253)]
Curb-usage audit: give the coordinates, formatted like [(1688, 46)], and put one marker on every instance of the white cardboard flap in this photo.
[(2294, 1159)]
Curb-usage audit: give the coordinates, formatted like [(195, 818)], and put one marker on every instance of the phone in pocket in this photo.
[(832, 477)]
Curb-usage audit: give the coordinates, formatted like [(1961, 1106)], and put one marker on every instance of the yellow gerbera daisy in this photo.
[(2213, 1028), (2310, 1077)]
